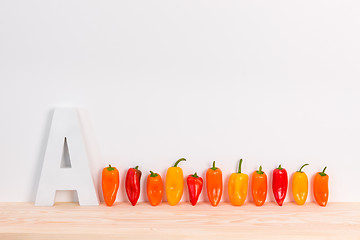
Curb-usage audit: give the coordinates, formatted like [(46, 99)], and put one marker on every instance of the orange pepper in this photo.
[(259, 187), (214, 185), (110, 184), (321, 188), (154, 188)]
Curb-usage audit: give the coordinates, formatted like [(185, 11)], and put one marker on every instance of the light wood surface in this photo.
[(123, 221)]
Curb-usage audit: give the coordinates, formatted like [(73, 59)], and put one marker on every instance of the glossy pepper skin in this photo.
[(110, 184), (280, 184), (174, 183), (238, 187), (195, 184), (154, 188), (300, 186), (259, 187), (321, 188), (132, 184), (214, 185)]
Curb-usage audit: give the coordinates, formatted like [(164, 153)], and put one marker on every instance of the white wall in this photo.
[(268, 81)]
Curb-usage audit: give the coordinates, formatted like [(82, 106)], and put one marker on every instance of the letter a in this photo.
[(65, 129)]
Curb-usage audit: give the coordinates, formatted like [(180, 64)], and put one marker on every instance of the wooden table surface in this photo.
[(123, 221)]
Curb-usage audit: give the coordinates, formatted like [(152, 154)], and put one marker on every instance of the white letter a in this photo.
[(65, 128)]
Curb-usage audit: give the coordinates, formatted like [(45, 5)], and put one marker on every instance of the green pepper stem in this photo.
[(177, 162), (323, 172), (136, 168), (239, 171), (260, 170), (302, 167), (152, 174), (213, 167), (195, 175), (280, 168), (110, 168)]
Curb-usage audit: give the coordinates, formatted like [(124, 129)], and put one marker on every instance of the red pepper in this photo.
[(280, 184), (132, 184), (195, 184)]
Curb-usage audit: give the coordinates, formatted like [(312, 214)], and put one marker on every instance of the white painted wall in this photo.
[(269, 81)]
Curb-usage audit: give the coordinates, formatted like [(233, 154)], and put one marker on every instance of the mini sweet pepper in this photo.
[(321, 188), (154, 188), (132, 184), (174, 183), (280, 184), (214, 185), (238, 187), (110, 184), (259, 187), (300, 186), (195, 185)]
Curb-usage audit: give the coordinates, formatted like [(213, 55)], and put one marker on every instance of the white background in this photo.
[(267, 81)]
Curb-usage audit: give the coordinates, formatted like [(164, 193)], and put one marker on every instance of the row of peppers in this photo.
[(237, 186)]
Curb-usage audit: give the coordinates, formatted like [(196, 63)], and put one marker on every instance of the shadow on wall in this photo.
[(92, 150), (45, 136)]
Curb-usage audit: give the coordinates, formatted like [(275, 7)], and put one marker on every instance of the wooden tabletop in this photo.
[(123, 221)]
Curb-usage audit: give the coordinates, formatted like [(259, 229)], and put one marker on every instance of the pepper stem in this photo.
[(280, 168), (136, 168), (260, 170), (323, 172), (302, 167), (110, 168), (195, 175), (239, 171), (213, 167), (152, 174), (177, 162)]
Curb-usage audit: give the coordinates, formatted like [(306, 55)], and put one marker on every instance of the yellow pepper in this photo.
[(238, 187), (174, 183), (300, 186)]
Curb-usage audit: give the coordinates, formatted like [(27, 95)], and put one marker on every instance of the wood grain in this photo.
[(123, 221)]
